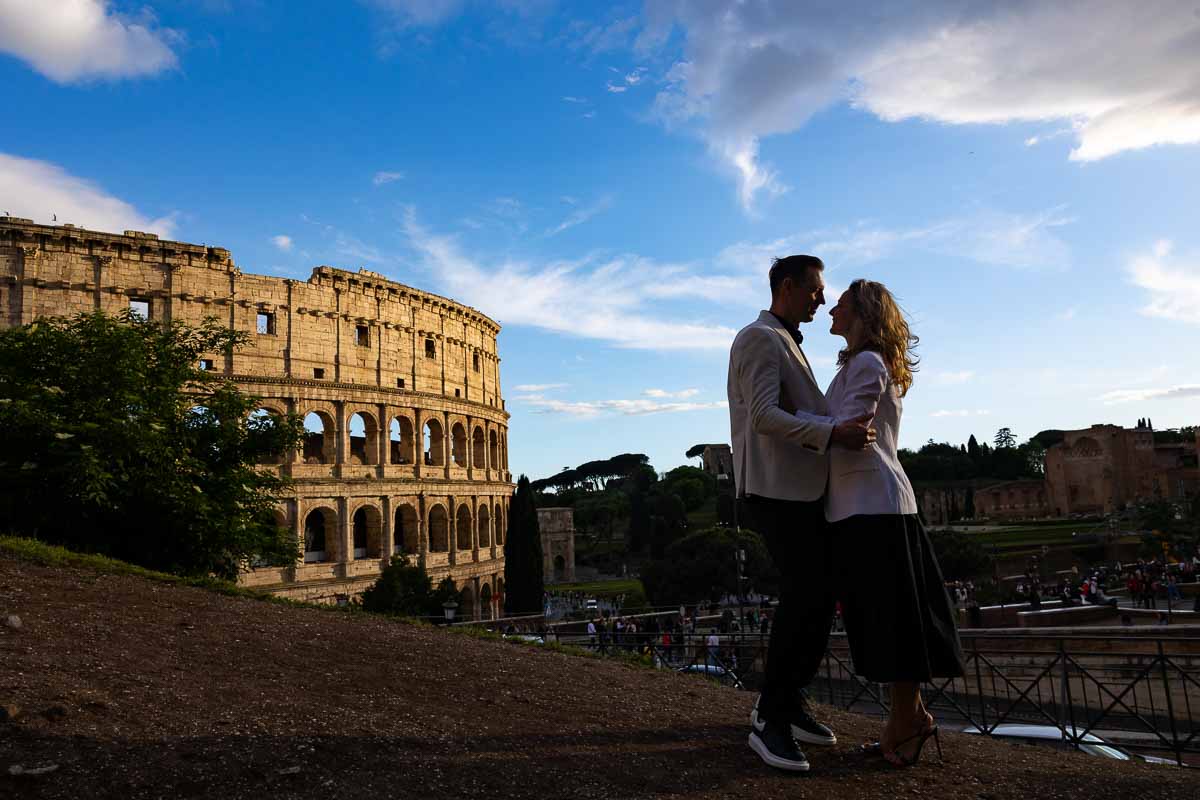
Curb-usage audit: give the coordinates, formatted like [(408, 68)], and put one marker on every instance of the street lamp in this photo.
[(448, 608)]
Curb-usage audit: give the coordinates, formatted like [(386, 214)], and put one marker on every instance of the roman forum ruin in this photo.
[(407, 444)]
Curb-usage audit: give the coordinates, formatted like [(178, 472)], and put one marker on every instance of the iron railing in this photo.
[(1141, 693)]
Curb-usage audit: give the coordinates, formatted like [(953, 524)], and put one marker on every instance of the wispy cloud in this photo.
[(42, 191), (616, 88), (605, 299), (581, 215), (85, 40), (572, 99), (537, 388), (598, 408), (282, 242), (682, 394), (1163, 393), (961, 412), (383, 177), (1173, 284)]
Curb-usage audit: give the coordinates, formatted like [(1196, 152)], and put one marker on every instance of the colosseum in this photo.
[(407, 436)]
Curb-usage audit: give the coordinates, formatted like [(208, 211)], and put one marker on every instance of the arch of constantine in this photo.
[(406, 447)]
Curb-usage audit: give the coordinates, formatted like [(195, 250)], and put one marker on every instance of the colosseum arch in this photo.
[(320, 438), (485, 602), (400, 441), (458, 444), (478, 448), (466, 603), (498, 522), (321, 535), (367, 531), (493, 451), (362, 438), (484, 526), (463, 528), (264, 416), (439, 529), (500, 594), (405, 535), (434, 443)]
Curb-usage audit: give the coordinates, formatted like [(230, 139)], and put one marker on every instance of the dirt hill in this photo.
[(134, 688)]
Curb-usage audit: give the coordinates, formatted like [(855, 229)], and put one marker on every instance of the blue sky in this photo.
[(610, 182)]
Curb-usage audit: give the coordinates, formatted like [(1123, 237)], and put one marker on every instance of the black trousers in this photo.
[(800, 544)]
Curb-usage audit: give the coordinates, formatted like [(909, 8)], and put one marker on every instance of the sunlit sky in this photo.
[(610, 181)]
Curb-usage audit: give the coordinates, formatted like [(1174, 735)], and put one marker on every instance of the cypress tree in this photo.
[(523, 554)]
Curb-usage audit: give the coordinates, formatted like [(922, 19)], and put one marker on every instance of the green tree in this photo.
[(405, 589), (117, 443), (523, 587), (702, 566), (960, 555), (1005, 439), (691, 485)]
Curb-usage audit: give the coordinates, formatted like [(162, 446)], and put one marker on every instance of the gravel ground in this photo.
[(134, 689)]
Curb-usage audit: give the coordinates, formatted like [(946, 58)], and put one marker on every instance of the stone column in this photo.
[(382, 440), (447, 441), (341, 431), (422, 536), (475, 591), (297, 527), (452, 527), (387, 546), (29, 259), (470, 447), (102, 263), (345, 532), (475, 529)]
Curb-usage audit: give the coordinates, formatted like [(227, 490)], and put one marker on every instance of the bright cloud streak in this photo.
[(1173, 285), (596, 408), (383, 178), (284, 243), (42, 191)]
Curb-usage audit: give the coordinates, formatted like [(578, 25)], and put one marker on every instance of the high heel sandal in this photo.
[(920, 738)]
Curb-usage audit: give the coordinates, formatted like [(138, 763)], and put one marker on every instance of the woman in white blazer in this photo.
[(899, 619)]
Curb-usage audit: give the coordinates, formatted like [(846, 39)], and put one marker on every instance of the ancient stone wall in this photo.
[(557, 529), (409, 444)]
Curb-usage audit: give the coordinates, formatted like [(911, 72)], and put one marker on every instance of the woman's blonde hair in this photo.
[(885, 332)]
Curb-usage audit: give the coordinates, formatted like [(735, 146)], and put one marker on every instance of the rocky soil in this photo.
[(119, 687)]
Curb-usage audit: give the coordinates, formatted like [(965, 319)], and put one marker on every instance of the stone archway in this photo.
[(466, 604), (463, 529), (439, 529), (367, 530), (405, 536), (486, 607), (320, 535)]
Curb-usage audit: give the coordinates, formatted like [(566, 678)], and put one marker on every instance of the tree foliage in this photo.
[(523, 586), (960, 555), (1005, 439), (117, 443), (702, 566), (407, 590), (593, 475)]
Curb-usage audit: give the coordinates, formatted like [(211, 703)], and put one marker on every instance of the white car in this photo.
[(714, 671), (1090, 744)]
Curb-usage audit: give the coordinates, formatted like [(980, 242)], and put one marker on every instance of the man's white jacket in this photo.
[(777, 415)]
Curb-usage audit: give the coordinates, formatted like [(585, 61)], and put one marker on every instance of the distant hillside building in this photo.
[(1020, 499), (718, 461), (557, 526)]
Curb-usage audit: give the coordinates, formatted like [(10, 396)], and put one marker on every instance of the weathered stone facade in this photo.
[(1013, 500), (557, 529), (412, 449)]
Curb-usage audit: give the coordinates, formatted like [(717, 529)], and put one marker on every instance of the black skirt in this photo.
[(899, 620)]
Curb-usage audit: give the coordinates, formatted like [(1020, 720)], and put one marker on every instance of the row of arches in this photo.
[(483, 449), (323, 541)]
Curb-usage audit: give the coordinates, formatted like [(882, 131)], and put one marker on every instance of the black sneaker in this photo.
[(804, 727), (775, 746)]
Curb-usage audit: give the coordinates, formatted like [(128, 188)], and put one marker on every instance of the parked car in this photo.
[(590, 604), (1089, 743), (525, 637), (714, 671)]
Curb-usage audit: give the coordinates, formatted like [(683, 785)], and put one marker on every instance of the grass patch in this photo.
[(600, 588)]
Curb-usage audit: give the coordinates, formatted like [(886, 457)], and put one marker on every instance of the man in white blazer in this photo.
[(781, 433)]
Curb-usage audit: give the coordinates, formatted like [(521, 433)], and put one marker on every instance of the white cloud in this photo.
[(423, 13), (1173, 284), (284, 243), (615, 88), (608, 299), (382, 178), (597, 408), (84, 40), (1168, 393), (537, 388), (581, 215), (683, 394), (960, 412), (41, 191), (1122, 78), (571, 99)]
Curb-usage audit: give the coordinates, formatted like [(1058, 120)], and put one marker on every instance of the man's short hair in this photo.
[(794, 267)]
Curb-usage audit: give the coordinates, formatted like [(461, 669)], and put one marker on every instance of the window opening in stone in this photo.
[(206, 364), (363, 441), (318, 373), (485, 536), (400, 441), (265, 323), (262, 420), (430, 349), (399, 383), (140, 308), (486, 606), (367, 529), (475, 361), (439, 530), (494, 452), (478, 449), (458, 393), (459, 445), (434, 457), (314, 536), (463, 529), (319, 446), (404, 531), (362, 335)]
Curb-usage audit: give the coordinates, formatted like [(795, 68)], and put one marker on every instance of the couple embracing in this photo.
[(818, 477)]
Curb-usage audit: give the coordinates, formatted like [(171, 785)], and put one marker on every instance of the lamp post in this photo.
[(741, 564), (448, 609)]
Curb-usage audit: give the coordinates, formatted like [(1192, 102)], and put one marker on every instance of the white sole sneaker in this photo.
[(799, 734), (772, 760)]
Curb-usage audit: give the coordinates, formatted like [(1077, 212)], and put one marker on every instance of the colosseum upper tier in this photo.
[(407, 443)]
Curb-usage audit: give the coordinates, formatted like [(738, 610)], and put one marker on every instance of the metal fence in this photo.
[(1139, 692)]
